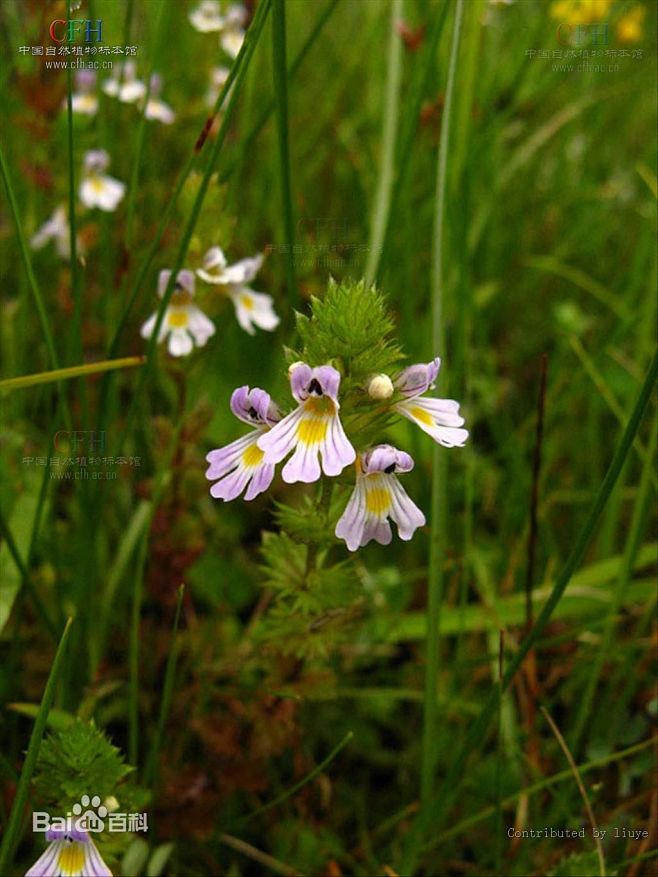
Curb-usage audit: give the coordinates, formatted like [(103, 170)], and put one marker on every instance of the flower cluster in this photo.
[(70, 853), (314, 441), (207, 17), (124, 85), (97, 189), (186, 326)]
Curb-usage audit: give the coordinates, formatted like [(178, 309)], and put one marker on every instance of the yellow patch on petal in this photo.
[(312, 430), (247, 302), (422, 415), (98, 185), (178, 319), (180, 297), (321, 405), (252, 456), (71, 859), (378, 501)]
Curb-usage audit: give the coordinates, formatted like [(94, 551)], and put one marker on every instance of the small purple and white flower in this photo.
[(98, 189), (241, 464), (233, 32), (156, 108), (70, 853), (439, 418), (251, 308), (312, 430), (84, 99), (207, 16), (184, 323), (56, 229), (378, 496), (124, 84)]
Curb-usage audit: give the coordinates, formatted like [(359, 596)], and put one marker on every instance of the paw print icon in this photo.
[(89, 819)]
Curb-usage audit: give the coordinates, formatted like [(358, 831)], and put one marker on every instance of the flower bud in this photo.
[(380, 387)]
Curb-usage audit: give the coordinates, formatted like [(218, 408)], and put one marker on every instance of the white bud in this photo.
[(111, 803), (380, 387)]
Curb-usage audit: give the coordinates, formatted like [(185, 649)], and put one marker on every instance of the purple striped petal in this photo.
[(351, 523), (441, 424), (254, 406), (417, 379), (404, 511), (336, 450), (282, 438), (223, 460)]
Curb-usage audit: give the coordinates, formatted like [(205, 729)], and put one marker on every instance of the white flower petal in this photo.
[(180, 342), (160, 111), (200, 326)]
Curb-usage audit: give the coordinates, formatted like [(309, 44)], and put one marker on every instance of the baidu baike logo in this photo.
[(90, 816)]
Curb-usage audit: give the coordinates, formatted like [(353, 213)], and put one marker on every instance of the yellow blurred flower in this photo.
[(629, 28), (575, 12)]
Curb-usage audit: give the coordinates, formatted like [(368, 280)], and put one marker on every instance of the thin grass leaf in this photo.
[(31, 279), (151, 773), (270, 105), (638, 522), (281, 97), (12, 832), (300, 785), (435, 811), (391, 98), (439, 499), (65, 374)]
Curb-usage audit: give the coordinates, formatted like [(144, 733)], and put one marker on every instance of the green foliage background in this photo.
[(549, 249)]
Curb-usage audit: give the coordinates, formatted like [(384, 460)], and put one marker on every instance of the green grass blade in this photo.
[(75, 342), (433, 813), (281, 95), (248, 47), (270, 105), (27, 263), (409, 124), (390, 116), (141, 130), (151, 773), (74, 371), (638, 521), (300, 785), (539, 786), (439, 504), (12, 833), (168, 210)]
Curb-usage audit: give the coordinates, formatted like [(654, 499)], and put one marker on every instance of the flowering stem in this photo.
[(324, 504), (281, 95), (242, 64), (435, 578)]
